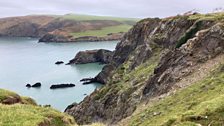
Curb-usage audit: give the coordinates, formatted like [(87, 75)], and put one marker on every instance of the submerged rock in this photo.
[(36, 85), (92, 56), (59, 62), (56, 86), (28, 85)]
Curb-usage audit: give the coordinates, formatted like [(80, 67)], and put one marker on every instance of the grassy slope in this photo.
[(202, 103), (124, 27), (104, 31), (28, 114), (4, 94), (91, 17), (210, 16)]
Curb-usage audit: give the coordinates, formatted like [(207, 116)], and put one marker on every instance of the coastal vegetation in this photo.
[(22, 111), (199, 104)]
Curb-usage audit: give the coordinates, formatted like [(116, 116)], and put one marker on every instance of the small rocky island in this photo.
[(92, 56)]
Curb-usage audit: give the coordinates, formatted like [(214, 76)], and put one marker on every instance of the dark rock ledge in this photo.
[(88, 80), (59, 62), (57, 86)]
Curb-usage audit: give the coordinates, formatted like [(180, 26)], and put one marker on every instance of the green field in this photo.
[(79, 17), (104, 31), (126, 24)]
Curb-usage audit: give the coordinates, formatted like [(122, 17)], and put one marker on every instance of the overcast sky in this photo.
[(118, 8)]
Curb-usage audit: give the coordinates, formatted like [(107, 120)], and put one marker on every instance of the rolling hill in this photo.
[(66, 28)]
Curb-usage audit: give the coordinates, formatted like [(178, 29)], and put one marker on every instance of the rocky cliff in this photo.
[(156, 57)]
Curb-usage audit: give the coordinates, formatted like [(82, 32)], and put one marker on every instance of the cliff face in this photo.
[(150, 61)]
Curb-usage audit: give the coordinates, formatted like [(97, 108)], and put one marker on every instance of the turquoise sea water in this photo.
[(24, 60)]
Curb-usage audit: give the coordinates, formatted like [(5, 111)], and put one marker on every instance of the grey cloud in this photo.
[(120, 8)]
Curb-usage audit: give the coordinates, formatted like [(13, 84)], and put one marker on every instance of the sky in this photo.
[(118, 8)]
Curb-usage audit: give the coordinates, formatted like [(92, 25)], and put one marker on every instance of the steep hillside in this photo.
[(200, 104), (26, 26), (67, 28), (22, 111), (155, 58)]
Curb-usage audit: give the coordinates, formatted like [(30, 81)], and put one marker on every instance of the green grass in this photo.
[(126, 24), (104, 31), (27, 113), (211, 16), (80, 17), (202, 103), (5, 93)]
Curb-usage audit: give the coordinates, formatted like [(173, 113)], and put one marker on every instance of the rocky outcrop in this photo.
[(12, 100), (181, 62), (92, 56), (148, 62)]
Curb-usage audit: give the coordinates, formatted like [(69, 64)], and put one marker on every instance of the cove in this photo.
[(24, 60)]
